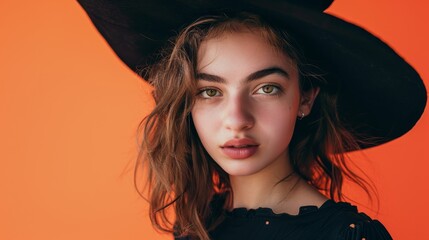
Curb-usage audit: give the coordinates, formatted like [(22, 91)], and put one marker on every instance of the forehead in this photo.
[(240, 52)]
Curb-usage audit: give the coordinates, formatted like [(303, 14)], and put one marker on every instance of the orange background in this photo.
[(69, 112)]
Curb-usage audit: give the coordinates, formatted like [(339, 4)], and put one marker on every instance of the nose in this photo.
[(238, 114)]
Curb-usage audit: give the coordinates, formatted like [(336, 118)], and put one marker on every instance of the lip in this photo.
[(240, 148)]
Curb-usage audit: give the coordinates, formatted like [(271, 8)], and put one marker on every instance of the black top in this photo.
[(332, 221)]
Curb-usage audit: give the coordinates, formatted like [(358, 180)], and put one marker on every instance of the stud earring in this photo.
[(302, 116)]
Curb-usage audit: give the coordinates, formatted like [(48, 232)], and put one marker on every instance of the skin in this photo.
[(247, 89)]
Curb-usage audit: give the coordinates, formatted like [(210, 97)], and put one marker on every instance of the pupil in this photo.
[(211, 92), (268, 89)]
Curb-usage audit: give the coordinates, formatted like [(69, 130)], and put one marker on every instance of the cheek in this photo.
[(278, 121), (204, 123)]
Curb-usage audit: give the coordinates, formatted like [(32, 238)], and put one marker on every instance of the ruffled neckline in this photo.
[(268, 212)]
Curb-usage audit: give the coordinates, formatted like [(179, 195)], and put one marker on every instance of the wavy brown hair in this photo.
[(182, 177)]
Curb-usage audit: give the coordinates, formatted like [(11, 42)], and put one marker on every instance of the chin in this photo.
[(240, 171)]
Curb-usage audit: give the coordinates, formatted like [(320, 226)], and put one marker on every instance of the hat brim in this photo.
[(381, 96)]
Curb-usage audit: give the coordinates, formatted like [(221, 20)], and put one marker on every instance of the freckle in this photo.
[(267, 222), (352, 225)]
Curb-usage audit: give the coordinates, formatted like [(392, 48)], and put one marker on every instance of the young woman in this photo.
[(257, 105)]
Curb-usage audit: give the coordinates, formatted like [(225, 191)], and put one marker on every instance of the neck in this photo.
[(268, 188)]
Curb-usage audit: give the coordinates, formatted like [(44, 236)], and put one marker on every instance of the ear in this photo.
[(306, 102)]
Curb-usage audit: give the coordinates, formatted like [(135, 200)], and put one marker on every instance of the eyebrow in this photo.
[(252, 77)]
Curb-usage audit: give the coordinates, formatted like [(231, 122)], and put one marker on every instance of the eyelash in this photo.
[(203, 92), (277, 90)]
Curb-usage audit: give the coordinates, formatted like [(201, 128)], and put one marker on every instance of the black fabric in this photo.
[(332, 221)]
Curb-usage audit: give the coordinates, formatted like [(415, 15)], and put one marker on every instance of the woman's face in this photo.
[(247, 103)]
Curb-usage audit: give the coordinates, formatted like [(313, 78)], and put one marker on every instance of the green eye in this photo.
[(268, 90), (209, 93)]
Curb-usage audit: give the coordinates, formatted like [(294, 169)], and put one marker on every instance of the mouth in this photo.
[(240, 143), (240, 148)]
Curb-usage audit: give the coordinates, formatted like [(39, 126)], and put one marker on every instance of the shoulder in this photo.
[(333, 221), (347, 223)]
